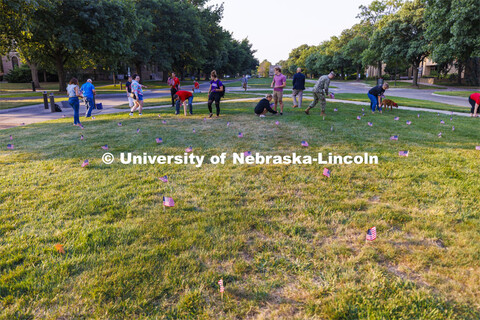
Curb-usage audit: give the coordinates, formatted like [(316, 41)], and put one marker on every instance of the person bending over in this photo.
[(375, 95), (183, 97), (474, 101), (263, 106)]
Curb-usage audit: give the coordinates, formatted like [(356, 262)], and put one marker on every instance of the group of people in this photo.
[(87, 92)]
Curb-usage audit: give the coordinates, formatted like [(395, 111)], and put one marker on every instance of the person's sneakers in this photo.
[(130, 114), (281, 113), (295, 106), (262, 116), (177, 113), (211, 115)]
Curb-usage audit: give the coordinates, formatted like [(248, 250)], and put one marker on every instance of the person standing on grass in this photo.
[(128, 89), (279, 82), (298, 87), (88, 91), (215, 93), (244, 82), (73, 94), (182, 96), (137, 90), (264, 106), (196, 87), (320, 92), (174, 84), (474, 101), (375, 95)]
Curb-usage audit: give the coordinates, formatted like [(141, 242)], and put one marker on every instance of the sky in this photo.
[(275, 27)]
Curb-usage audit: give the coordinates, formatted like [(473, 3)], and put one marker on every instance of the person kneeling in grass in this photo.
[(183, 96), (375, 95), (474, 101), (264, 106)]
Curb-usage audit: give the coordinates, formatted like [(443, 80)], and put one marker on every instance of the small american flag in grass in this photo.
[(81, 137), (240, 135), (394, 138), (81, 127), (370, 124), (363, 114), (10, 146), (396, 118), (442, 122), (11, 138), (164, 122), (403, 153), (119, 124), (363, 109), (451, 118), (168, 202), (105, 147), (326, 172), (138, 130), (439, 135), (193, 130), (205, 119), (477, 148), (22, 124), (409, 122), (371, 234), (418, 115), (335, 110), (220, 283), (159, 140), (247, 153), (159, 115), (332, 95), (85, 163), (93, 118), (189, 149), (228, 124), (277, 123), (453, 128), (63, 116), (359, 118), (438, 114), (163, 179), (304, 144)]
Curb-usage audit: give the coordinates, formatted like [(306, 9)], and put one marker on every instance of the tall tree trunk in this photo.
[(460, 69), (165, 76), (61, 74), (358, 73), (34, 70), (415, 74)]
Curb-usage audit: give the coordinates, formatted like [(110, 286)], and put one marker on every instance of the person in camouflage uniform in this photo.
[(320, 92)]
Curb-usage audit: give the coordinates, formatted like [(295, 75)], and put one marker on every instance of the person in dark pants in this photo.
[(298, 87), (215, 93), (174, 84), (264, 106), (73, 95), (375, 95), (474, 101), (182, 97)]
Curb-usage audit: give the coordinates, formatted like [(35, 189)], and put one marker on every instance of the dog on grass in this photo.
[(389, 103)]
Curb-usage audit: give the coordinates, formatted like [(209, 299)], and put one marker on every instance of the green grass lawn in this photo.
[(401, 84), (405, 102), (288, 242), (465, 94)]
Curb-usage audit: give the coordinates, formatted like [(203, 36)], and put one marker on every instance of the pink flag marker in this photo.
[(159, 140), (440, 135), (335, 110), (168, 202), (359, 118), (240, 135), (138, 130), (105, 147), (247, 153), (193, 130), (403, 153), (189, 149), (10, 146), (396, 118), (164, 122), (11, 138), (164, 179), (277, 123), (409, 122), (81, 137), (304, 144), (332, 95), (442, 122), (394, 138), (371, 234), (326, 172), (370, 124), (85, 163), (119, 124)]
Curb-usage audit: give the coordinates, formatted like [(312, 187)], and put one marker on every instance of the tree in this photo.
[(264, 68)]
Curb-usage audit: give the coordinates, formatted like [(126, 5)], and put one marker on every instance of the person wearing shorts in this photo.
[(474, 101), (174, 84), (215, 93), (263, 106), (279, 82), (137, 90), (128, 89)]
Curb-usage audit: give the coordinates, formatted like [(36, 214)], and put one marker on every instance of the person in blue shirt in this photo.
[(298, 87), (88, 92)]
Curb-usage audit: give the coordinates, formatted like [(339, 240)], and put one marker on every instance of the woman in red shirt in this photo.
[(474, 100)]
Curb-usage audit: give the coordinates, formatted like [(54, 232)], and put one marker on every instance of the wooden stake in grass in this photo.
[(222, 289)]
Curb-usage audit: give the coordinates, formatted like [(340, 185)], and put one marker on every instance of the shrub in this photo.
[(21, 74)]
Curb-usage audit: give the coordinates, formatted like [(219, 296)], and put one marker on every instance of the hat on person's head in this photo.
[(89, 80), (332, 73)]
